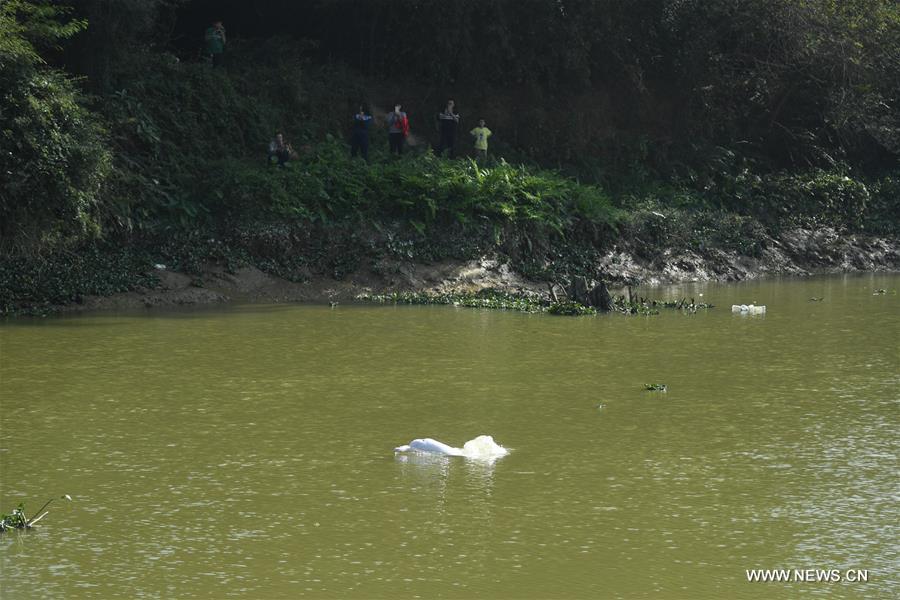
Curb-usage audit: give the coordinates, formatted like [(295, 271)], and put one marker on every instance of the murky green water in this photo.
[(248, 452)]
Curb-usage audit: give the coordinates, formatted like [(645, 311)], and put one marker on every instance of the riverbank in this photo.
[(797, 252), (164, 206)]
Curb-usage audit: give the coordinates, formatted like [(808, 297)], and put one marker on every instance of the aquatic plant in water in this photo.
[(524, 303), (570, 308), (483, 299), (655, 387), (17, 519), (645, 306)]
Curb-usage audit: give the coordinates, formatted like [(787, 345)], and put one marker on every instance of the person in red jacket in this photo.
[(398, 128)]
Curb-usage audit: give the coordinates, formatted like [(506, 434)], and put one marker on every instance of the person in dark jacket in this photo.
[(280, 151), (359, 138), (448, 122), (215, 43)]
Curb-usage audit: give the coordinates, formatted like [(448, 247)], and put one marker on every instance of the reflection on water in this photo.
[(247, 452), (426, 469)]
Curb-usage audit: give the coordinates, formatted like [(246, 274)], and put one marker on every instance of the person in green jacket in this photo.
[(215, 43), (481, 135)]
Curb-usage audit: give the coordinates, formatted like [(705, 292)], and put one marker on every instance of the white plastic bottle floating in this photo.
[(483, 447), (748, 309)]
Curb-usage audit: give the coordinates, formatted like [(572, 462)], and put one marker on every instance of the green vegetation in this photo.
[(421, 192), (14, 520), (655, 387), (36, 284), (17, 519), (54, 159), (530, 303), (789, 119), (570, 308), (483, 299)]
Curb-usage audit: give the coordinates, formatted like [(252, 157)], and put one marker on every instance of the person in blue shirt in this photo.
[(359, 137)]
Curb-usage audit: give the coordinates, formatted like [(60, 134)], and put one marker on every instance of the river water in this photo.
[(247, 451)]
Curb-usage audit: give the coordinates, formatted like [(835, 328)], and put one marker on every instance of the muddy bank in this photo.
[(797, 252)]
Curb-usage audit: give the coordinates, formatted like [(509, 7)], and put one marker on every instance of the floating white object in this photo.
[(482, 447), (749, 309), (159, 267)]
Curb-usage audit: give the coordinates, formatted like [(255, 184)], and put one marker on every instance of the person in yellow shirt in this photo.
[(481, 135)]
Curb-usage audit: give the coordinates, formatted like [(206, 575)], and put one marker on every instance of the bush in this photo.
[(884, 207), (426, 192), (34, 284), (655, 228), (814, 197)]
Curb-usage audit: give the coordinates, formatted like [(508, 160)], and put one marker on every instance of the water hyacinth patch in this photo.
[(529, 303), (483, 299)]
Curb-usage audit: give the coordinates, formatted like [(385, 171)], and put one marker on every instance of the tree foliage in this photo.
[(53, 160), (752, 106), (788, 83)]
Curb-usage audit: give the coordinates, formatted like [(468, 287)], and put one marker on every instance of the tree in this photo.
[(53, 160)]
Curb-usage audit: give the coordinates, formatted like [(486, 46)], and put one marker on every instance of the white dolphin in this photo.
[(483, 446)]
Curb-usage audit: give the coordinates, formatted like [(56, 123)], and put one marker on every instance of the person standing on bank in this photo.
[(359, 140), (481, 135), (280, 150), (448, 121), (398, 128), (215, 43)]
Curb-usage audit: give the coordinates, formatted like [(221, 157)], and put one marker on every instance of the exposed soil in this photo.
[(796, 252)]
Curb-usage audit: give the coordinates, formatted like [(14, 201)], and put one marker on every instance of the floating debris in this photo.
[(638, 305), (655, 387), (814, 299), (879, 292), (17, 519), (748, 309)]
